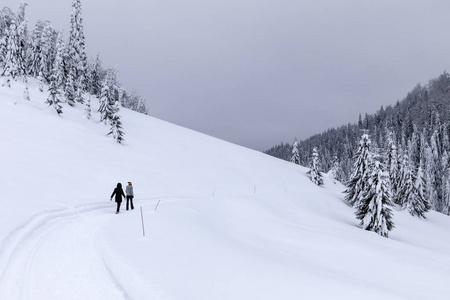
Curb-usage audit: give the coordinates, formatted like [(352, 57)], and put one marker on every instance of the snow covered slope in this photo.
[(231, 223)]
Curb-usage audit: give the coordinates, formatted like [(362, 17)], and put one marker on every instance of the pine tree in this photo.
[(58, 63), (373, 210), (430, 186), (35, 56), (116, 125), (315, 174), (106, 109), (48, 51), (358, 180), (94, 77), (295, 158), (53, 99), (418, 205), (141, 108), (406, 193), (11, 62), (69, 91), (335, 170), (22, 33), (391, 161), (77, 53)]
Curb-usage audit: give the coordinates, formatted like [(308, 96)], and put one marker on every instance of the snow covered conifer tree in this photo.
[(335, 170), (94, 78), (58, 64), (373, 210), (35, 49), (295, 158), (315, 174), (22, 33), (116, 125), (405, 192), (361, 170), (430, 186), (54, 97), (77, 53), (104, 102), (48, 51), (141, 108), (11, 63), (418, 204), (69, 91), (391, 161)]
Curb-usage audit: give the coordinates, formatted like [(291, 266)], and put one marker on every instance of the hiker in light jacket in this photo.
[(118, 191), (130, 195)]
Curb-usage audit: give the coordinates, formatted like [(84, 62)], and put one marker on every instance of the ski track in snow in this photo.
[(62, 240)]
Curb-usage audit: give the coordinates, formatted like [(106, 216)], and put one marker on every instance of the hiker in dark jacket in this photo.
[(130, 195), (118, 191)]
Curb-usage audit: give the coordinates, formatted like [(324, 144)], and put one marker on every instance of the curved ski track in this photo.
[(55, 256)]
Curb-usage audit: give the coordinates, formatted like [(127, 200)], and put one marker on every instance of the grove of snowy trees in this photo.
[(63, 66), (410, 141)]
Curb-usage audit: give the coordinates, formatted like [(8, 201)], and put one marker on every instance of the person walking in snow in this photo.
[(130, 195), (118, 191)]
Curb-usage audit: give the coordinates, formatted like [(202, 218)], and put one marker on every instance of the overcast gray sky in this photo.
[(258, 72)]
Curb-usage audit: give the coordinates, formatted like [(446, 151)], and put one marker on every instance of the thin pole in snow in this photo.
[(254, 190), (157, 204), (142, 219), (213, 194)]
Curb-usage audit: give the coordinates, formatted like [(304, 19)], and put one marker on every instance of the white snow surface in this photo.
[(231, 223)]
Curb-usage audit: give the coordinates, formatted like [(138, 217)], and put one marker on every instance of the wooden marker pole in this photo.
[(142, 218), (157, 204)]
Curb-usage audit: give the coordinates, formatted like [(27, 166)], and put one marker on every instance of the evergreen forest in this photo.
[(410, 138)]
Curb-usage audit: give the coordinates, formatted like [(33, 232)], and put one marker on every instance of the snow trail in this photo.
[(55, 255)]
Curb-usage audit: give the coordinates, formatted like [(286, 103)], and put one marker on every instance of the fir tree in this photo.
[(116, 125), (295, 158), (335, 170), (418, 205), (58, 64), (53, 99), (406, 193), (94, 77), (77, 53), (22, 33), (69, 91), (48, 51), (104, 102), (315, 174), (373, 210), (11, 62), (35, 56), (391, 162), (358, 180), (106, 108)]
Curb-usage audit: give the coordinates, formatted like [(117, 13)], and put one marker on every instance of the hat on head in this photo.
[(129, 182)]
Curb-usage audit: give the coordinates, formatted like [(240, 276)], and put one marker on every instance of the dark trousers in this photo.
[(118, 206), (130, 200)]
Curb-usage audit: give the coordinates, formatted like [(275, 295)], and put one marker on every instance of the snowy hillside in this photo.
[(231, 223)]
